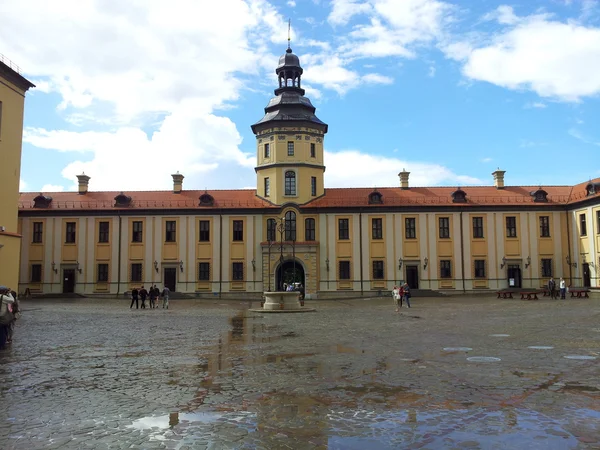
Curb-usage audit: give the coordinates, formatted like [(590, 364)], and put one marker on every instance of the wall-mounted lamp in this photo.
[(78, 268), (181, 265), (327, 264), (528, 263), (425, 262), (503, 262), (156, 266), (54, 269), (399, 263), (253, 265), (568, 258)]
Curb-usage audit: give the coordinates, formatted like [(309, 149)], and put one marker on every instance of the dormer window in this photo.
[(592, 189), (375, 198), (540, 196), (122, 200), (459, 196), (42, 201), (206, 200)]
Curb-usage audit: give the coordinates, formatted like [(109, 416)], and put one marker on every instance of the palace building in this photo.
[(13, 87), (333, 241)]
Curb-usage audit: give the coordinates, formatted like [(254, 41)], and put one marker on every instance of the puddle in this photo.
[(457, 349), (579, 357), (173, 419), (540, 347), (483, 359), (499, 335)]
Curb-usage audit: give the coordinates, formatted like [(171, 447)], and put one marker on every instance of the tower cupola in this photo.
[(289, 141), (289, 73)]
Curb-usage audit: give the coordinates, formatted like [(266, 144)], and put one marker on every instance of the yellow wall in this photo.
[(275, 166), (12, 99)]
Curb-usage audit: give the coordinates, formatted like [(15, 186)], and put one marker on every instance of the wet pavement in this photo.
[(470, 373)]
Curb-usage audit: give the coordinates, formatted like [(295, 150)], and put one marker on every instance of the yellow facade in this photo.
[(12, 104), (333, 241)]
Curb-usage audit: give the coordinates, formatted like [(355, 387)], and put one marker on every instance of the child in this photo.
[(396, 296)]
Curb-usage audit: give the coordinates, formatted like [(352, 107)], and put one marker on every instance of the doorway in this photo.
[(170, 278), (68, 281), (412, 276), (587, 281), (514, 276), (288, 273)]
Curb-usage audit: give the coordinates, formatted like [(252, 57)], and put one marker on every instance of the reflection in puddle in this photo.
[(580, 357), (483, 359), (173, 419), (312, 423)]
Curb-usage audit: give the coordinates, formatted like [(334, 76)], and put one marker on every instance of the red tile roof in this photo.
[(223, 199), (334, 197)]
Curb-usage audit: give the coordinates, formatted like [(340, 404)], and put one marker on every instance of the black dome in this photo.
[(288, 59)]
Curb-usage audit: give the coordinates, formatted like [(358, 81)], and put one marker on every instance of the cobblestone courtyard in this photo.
[(448, 373)]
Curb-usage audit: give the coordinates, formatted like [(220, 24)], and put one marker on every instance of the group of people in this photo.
[(562, 285), (9, 313), (400, 293), (152, 295)]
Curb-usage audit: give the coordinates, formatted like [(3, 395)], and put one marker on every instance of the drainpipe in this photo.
[(360, 245), (462, 252), (119, 259), (569, 249), (220, 253)]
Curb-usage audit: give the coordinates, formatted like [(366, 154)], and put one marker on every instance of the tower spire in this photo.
[(289, 33)]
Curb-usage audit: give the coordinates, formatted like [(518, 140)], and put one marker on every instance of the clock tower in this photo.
[(289, 141)]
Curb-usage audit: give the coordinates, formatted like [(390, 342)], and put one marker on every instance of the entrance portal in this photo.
[(587, 281), (68, 281), (514, 275), (289, 272), (170, 278), (412, 276)]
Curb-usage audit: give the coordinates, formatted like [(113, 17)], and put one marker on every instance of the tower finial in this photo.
[(289, 32)]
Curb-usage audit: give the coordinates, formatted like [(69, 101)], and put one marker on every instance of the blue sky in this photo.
[(130, 92)]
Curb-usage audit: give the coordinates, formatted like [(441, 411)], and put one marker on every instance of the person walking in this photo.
[(135, 298), (406, 292), (552, 288), (563, 288), (6, 315), (16, 310), (143, 296), (396, 296), (152, 294), (165, 295)]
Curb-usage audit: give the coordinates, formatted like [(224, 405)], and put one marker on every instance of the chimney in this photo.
[(404, 179), (177, 182), (83, 180), (499, 178)]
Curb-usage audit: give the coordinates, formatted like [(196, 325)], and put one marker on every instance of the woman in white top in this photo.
[(396, 296)]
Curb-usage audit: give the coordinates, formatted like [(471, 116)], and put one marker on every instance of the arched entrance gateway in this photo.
[(288, 272)]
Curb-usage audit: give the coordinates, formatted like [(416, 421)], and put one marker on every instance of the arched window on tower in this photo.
[(290, 182), (290, 226), (271, 230)]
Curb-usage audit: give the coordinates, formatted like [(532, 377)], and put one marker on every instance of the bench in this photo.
[(530, 295), (579, 293), (505, 294)]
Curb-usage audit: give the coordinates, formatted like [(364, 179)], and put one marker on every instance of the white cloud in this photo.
[(537, 105), (343, 10), (22, 185), (376, 78), (351, 168), (52, 188), (291, 3), (583, 138), (193, 143), (138, 64), (431, 72), (504, 14), (554, 59), (486, 160)]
